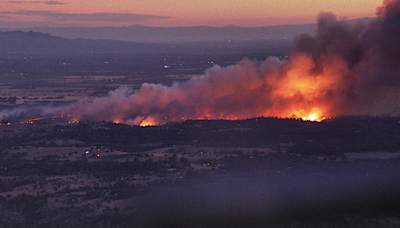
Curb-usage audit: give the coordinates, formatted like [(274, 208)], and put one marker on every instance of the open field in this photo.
[(77, 168)]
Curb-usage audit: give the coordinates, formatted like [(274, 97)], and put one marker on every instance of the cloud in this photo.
[(54, 3), (38, 2), (58, 16)]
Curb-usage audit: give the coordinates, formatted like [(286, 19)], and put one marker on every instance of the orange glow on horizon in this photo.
[(188, 13)]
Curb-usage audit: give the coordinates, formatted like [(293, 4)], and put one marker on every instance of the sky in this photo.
[(168, 13)]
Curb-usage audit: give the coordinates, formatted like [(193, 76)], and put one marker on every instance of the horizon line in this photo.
[(194, 26)]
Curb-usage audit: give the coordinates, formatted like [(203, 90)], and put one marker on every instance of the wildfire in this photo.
[(342, 70), (313, 118), (32, 121), (316, 115), (147, 122)]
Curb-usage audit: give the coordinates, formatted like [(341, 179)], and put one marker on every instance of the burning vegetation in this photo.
[(343, 70)]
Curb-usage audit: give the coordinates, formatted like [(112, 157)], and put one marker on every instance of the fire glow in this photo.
[(247, 90), (343, 70), (45, 118)]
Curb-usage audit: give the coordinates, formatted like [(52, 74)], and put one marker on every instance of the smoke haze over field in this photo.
[(343, 70)]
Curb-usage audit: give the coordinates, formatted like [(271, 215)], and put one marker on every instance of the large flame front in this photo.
[(274, 88), (246, 90)]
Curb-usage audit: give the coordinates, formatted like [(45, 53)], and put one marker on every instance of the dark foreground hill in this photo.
[(331, 137), (263, 172)]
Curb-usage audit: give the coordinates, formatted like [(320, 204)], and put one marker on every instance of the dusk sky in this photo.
[(30, 13)]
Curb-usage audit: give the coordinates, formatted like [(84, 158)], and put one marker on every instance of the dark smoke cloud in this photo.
[(342, 70), (389, 8)]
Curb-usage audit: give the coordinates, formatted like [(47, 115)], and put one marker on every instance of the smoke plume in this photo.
[(343, 70)]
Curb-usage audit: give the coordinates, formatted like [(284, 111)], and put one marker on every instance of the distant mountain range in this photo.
[(15, 43), (145, 34), (141, 39)]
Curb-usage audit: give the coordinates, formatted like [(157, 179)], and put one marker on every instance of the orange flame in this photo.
[(148, 121)]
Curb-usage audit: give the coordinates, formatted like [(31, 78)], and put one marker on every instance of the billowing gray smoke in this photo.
[(342, 70)]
